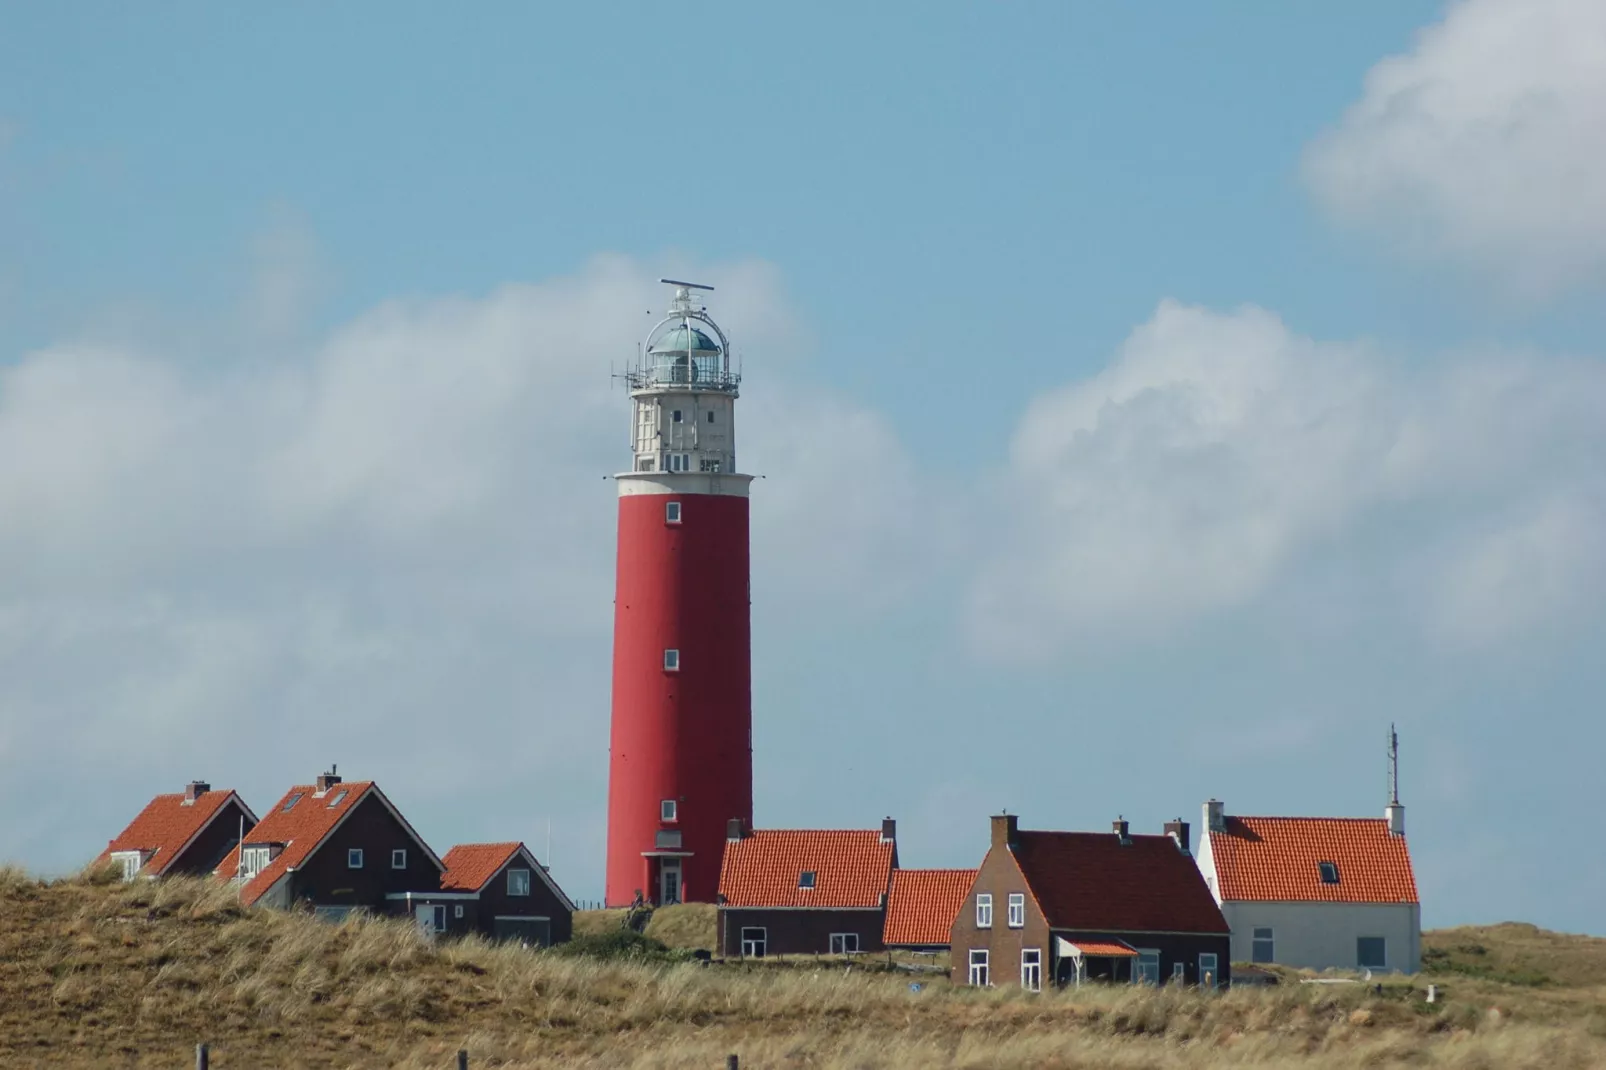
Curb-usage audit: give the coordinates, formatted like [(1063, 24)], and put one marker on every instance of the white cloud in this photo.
[(1484, 143), (1218, 450)]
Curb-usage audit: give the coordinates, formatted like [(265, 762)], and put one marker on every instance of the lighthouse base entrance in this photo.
[(665, 878)]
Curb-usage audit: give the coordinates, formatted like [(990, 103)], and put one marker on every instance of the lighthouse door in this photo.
[(668, 881)]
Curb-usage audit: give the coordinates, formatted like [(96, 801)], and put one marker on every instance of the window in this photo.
[(674, 416), (437, 918), (978, 967), (518, 882), (646, 464), (984, 911), (667, 840), (457, 911), (354, 858), (680, 462), (671, 512), (130, 862), (668, 810), (805, 879), (253, 860), (1260, 949), (671, 661), (1207, 970), (1017, 909), (1146, 970), (1031, 969), (1370, 953), (708, 464), (398, 859), (339, 797), (844, 943), (710, 415), (1329, 872), (753, 942), (294, 798), (1179, 973)]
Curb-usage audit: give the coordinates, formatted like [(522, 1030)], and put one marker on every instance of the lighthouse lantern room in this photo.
[(681, 757)]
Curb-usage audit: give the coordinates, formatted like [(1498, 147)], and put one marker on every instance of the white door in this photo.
[(431, 919), (669, 881)]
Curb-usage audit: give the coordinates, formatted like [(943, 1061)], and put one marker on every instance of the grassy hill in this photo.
[(106, 974)]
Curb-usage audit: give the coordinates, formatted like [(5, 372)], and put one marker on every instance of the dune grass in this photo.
[(108, 974)]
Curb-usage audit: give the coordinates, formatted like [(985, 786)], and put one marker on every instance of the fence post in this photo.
[(462, 1060), (202, 1057), (732, 1063)]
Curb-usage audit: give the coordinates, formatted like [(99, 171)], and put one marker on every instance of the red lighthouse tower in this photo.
[(681, 761)]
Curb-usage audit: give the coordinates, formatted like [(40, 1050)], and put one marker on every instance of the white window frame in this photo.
[(457, 910), (130, 861), (1210, 964), (512, 889), (253, 860), (840, 941), (1179, 972), (1017, 910), (671, 512), (672, 660), (979, 974), (754, 947), (1382, 965), (668, 811), (354, 858), (439, 920), (1255, 940), (398, 858), (984, 910), (679, 462), (1140, 972), (1031, 969)]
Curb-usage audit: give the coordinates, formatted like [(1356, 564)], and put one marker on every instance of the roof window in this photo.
[(294, 798), (806, 879), (339, 795), (1329, 872)]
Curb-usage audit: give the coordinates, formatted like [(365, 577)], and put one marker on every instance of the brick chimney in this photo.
[(1005, 830), (326, 781), (1178, 830), (1119, 826), (194, 790), (734, 830), (889, 830), (1215, 816)]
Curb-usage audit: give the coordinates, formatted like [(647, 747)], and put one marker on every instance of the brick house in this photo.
[(333, 846), (1315, 892), (798, 892), (188, 832), (1069, 907), (498, 890), (922, 905)]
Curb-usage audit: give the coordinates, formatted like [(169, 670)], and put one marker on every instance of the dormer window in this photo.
[(806, 879), (1329, 872)]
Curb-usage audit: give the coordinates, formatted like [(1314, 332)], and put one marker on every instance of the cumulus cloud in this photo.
[(391, 546), (1484, 143), (1217, 450)]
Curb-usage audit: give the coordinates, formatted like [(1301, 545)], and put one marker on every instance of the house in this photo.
[(796, 892), (922, 905), (1077, 906), (334, 846), (187, 832), (498, 890), (1316, 892)]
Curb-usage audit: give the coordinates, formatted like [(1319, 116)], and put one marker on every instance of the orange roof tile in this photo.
[(1276, 858), (1103, 950), (470, 865), (851, 868), (166, 825), (922, 905)]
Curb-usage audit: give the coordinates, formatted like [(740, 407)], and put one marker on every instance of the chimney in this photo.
[(1119, 827), (889, 830), (1394, 814), (327, 780), (1215, 816), (1005, 829), (1178, 830), (195, 789), (734, 830)]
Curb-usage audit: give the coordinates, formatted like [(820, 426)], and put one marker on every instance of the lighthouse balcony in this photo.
[(682, 378)]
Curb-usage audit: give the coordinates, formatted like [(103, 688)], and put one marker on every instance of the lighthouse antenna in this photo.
[(688, 285)]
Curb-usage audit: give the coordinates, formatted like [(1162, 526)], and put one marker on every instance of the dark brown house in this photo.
[(188, 832), (333, 847), (798, 892), (1069, 907), (498, 890)]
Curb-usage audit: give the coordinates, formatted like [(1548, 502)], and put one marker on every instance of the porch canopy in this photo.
[(1093, 949)]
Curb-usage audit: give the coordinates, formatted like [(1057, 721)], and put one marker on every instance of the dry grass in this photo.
[(95, 974), (689, 925)]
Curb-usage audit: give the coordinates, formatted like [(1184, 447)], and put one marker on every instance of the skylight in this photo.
[(806, 879), (291, 801), (1329, 871), (341, 794)]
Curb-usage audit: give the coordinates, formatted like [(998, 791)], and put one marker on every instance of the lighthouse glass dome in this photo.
[(685, 350)]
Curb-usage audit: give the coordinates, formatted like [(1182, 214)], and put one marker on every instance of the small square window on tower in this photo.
[(710, 415), (671, 661), (671, 512), (668, 810), (674, 416)]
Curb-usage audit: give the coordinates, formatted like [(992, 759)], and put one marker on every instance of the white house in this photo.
[(1315, 892)]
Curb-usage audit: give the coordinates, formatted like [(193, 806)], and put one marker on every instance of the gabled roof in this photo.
[(168, 824), (1091, 881), (301, 820), (1278, 858), (763, 869), (922, 905), (471, 866)]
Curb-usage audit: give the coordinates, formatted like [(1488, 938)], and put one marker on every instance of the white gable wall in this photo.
[(1319, 936)]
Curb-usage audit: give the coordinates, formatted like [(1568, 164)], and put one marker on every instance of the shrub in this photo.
[(619, 945)]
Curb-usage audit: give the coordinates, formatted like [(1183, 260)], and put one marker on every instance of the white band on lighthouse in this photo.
[(734, 485)]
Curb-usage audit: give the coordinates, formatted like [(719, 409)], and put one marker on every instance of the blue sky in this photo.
[(1154, 403)]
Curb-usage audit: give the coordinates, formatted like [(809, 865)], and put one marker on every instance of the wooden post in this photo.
[(202, 1057), (462, 1060)]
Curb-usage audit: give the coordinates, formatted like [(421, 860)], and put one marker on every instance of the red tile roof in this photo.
[(1103, 950), (470, 865), (1276, 858), (923, 904), (1091, 881), (167, 824), (851, 868)]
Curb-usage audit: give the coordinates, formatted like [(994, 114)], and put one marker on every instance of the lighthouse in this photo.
[(681, 749)]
